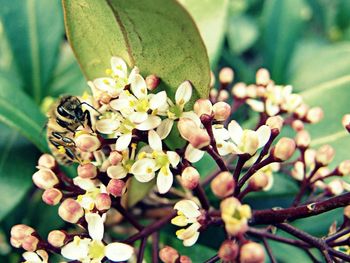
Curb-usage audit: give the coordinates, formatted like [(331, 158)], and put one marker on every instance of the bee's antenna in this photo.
[(92, 107)]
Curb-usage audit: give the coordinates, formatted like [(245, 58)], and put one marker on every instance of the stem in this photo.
[(217, 158), (240, 163), (127, 215), (155, 247), (213, 259), (337, 235), (202, 197), (142, 250), (265, 150), (269, 251)]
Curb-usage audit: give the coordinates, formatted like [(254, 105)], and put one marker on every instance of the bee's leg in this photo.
[(64, 125), (60, 136), (71, 154), (87, 116), (54, 143)]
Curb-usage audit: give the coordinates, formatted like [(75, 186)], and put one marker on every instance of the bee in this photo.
[(64, 117)]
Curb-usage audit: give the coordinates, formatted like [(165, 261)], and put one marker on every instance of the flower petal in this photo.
[(151, 123), (264, 133), (173, 157), (32, 257), (192, 240), (95, 226), (138, 117), (107, 126), (164, 128), (118, 251), (77, 249), (139, 86), (164, 180), (236, 132), (256, 105), (189, 208), (116, 172), (158, 100), (183, 93), (154, 140), (123, 142), (193, 154)]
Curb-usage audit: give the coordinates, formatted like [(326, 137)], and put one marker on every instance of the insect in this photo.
[(64, 117)]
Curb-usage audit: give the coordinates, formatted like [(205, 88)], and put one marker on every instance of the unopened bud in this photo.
[(70, 211), (115, 158), (45, 178), (168, 254), (262, 77), (57, 238), (47, 161), (203, 106), (52, 196), (152, 82), (223, 95), (325, 155), (252, 253), (222, 111), (347, 211), (185, 259), (213, 93), (335, 187), (251, 91), (87, 143), (199, 139), (344, 167), (239, 90), (30, 243), (346, 122), (258, 181), (212, 79), (103, 201), (228, 251), (301, 111), (87, 171), (190, 177), (19, 233), (188, 129), (284, 149), (314, 115), (223, 184), (297, 125), (275, 123), (226, 75), (302, 139), (116, 187)]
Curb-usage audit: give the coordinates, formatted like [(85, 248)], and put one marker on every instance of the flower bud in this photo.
[(284, 149), (203, 106), (185, 259), (190, 178), (275, 123), (115, 158), (199, 139), (87, 143), (87, 171), (30, 243), (252, 253), (47, 161), (325, 155), (57, 238), (152, 82), (221, 110), (298, 171), (228, 251), (314, 115), (70, 211), (258, 181), (187, 127), (297, 125), (344, 167), (213, 93), (335, 187), (346, 122), (223, 185), (103, 201), (303, 139), (223, 95), (168, 254), (52, 196), (19, 233), (347, 211), (45, 178), (212, 79), (301, 111), (262, 77), (239, 90), (251, 91), (226, 75), (116, 187)]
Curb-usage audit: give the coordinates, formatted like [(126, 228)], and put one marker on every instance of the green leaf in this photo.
[(18, 111), (34, 30), (210, 17), (324, 81), (17, 164), (283, 23), (137, 191), (158, 36)]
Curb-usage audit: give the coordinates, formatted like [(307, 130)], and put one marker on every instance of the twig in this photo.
[(202, 197), (142, 250), (269, 251), (126, 215), (155, 247), (217, 158), (213, 259)]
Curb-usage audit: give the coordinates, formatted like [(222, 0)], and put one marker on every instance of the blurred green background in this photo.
[(305, 43)]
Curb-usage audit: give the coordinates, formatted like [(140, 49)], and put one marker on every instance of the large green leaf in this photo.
[(282, 26), (20, 112), (34, 30), (210, 16), (323, 76), (17, 163), (156, 35)]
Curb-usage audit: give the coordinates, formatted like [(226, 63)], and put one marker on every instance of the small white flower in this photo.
[(39, 256), (92, 188)]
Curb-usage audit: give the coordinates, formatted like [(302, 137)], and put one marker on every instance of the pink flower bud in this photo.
[(187, 127), (223, 95), (87, 171), (221, 110), (262, 77), (284, 149), (168, 254), (258, 181), (47, 161), (303, 139), (301, 111), (152, 82), (115, 158), (239, 90), (70, 211), (87, 143), (346, 122), (297, 125), (203, 106), (185, 259), (19, 233), (314, 115), (116, 187), (103, 202), (57, 238), (226, 75), (190, 178), (325, 155), (45, 178), (252, 253), (223, 184), (52, 196), (30, 243), (228, 251), (344, 167), (213, 93), (199, 139), (275, 123)]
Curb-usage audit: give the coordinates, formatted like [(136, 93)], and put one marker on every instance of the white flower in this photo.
[(188, 212), (93, 249), (153, 159), (92, 189), (40, 256), (120, 170)]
